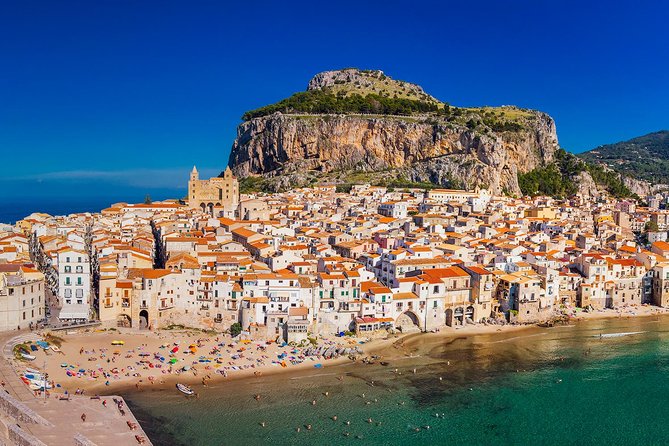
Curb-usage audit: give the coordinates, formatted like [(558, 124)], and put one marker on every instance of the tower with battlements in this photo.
[(216, 196)]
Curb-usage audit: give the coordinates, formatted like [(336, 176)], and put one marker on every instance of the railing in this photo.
[(143, 306)]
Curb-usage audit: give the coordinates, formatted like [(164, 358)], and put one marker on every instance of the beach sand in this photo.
[(98, 367), (108, 368)]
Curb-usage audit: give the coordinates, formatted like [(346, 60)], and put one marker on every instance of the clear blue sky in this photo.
[(100, 97)]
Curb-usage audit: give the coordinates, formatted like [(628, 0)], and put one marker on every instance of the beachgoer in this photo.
[(83, 417)]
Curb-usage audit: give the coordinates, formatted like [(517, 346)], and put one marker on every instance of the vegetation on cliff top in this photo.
[(557, 179), (370, 92), (324, 102), (645, 157)]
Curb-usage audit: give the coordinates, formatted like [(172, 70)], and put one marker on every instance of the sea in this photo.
[(12, 210), (595, 382)]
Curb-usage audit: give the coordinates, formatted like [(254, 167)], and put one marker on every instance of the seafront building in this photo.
[(74, 284), (313, 260), (22, 294)]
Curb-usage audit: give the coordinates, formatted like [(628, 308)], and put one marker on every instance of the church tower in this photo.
[(192, 188)]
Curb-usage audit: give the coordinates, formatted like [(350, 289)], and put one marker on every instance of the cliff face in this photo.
[(290, 147)]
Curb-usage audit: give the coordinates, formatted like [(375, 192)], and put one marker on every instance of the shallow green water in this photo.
[(559, 386)]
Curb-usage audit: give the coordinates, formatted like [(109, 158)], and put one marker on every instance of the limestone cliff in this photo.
[(484, 147)]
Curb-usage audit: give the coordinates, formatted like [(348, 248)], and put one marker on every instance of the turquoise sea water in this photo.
[(559, 386)]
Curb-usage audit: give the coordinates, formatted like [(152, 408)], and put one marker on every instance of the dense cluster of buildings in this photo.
[(315, 260)]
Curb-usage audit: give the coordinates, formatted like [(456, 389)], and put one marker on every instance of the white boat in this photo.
[(38, 385), (185, 389), (28, 357)]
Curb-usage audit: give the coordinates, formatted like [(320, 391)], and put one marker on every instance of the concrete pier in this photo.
[(28, 420)]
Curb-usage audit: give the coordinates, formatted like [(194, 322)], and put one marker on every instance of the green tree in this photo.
[(651, 226), (235, 329)]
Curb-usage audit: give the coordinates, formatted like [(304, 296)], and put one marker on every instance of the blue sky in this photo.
[(119, 98)]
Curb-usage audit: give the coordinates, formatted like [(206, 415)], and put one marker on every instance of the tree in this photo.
[(235, 329), (651, 226), (147, 199)]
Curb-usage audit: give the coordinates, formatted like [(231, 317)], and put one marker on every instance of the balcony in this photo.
[(204, 307), (125, 304), (144, 306)]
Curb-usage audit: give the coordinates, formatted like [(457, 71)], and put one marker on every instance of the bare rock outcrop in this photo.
[(421, 140), (421, 148)]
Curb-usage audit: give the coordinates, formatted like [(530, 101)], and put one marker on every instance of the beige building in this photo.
[(21, 297), (216, 196)]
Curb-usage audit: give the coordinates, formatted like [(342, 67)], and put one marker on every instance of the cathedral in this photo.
[(218, 196)]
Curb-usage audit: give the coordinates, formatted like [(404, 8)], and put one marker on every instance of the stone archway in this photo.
[(203, 207), (459, 316), (449, 317), (407, 321), (210, 208), (143, 319), (470, 314)]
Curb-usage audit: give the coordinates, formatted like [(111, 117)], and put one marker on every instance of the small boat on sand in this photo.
[(185, 389), (27, 356)]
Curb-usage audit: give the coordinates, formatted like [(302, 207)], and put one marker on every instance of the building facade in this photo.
[(21, 297), (74, 284), (215, 196)]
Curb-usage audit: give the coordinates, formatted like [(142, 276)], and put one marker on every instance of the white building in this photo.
[(74, 284), (21, 297)]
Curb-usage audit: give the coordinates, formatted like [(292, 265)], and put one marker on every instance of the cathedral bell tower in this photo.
[(192, 188)]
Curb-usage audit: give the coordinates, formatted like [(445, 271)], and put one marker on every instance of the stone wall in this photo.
[(19, 411), (19, 437)]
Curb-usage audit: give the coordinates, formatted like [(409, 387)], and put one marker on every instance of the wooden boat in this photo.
[(118, 343), (185, 389)]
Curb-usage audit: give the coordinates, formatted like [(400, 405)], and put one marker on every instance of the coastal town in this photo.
[(318, 261), (224, 283)]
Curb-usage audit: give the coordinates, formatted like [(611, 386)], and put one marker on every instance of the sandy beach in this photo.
[(89, 361)]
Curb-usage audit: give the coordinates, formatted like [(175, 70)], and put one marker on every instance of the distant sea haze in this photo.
[(13, 210)]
